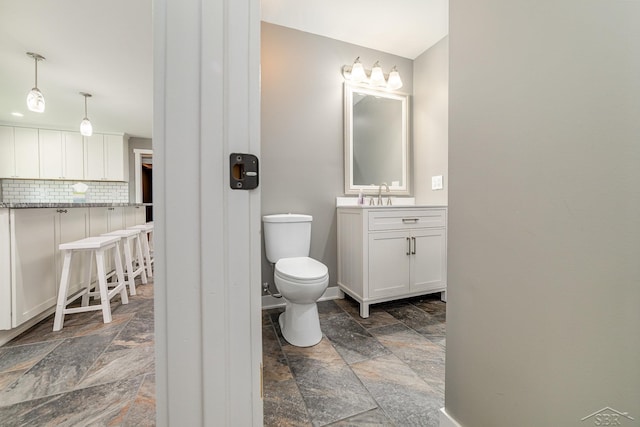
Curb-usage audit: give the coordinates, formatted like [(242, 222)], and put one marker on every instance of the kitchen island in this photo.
[(30, 263)]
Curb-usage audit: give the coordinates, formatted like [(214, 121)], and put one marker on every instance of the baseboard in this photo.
[(332, 292), (446, 420), (8, 335)]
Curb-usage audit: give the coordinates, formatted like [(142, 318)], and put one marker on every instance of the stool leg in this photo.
[(62, 292), (147, 254), (123, 290), (102, 283), (140, 258), (85, 297), (128, 260)]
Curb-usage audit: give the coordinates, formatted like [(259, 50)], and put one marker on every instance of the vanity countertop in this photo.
[(65, 205), (396, 202)]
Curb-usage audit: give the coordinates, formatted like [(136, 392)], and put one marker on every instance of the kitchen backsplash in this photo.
[(49, 191)]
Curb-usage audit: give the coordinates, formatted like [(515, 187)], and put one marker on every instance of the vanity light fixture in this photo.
[(356, 73), (394, 82), (85, 126), (377, 76), (35, 99)]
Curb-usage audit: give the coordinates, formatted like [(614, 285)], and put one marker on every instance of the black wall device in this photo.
[(243, 169)]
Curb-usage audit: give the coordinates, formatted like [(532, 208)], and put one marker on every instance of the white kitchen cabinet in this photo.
[(19, 153), (106, 158), (72, 224), (73, 155), (33, 263), (388, 253), (50, 144), (61, 155)]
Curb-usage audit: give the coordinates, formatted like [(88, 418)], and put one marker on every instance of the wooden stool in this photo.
[(131, 237), (147, 244), (98, 246)]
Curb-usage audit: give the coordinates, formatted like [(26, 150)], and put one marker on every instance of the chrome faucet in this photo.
[(380, 193)]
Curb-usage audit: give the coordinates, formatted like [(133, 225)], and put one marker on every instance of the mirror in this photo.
[(376, 140)]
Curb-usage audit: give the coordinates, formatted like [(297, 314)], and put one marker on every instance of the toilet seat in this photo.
[(302, 270)]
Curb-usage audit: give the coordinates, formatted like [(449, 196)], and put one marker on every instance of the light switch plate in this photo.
[(436, 182)]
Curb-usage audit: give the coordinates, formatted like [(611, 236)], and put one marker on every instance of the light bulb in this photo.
[(377, 76), (85, 127), (357, 71), (35, 101), (394, 82)]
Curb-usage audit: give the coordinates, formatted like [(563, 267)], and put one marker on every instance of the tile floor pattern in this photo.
[(89, 373), (386, 370)]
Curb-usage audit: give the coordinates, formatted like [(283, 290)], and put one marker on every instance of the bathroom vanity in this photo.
[(387, 252)]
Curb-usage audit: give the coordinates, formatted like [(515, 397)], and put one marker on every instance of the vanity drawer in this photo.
[(406, 218)]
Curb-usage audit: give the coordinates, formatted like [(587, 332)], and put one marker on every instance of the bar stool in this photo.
[(97, 246), (147, 243), (128, 238)]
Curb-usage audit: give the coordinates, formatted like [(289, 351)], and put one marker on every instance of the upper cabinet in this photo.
[(61, 155), (27, 153), (19, 153), (106, 158)]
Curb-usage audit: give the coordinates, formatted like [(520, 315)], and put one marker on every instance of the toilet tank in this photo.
[(286, 235)]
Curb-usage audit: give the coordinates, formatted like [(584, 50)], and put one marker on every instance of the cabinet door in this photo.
[(428, 263), (73, 155), (50, 145), (98, 221), (26, 153), (141, 215), (34, 282), (114, 148), (389, 264), (94, 152), (7, 157), (72, 225), (116, 218)]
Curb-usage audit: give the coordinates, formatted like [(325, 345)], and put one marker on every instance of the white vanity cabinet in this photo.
[(389, 253)]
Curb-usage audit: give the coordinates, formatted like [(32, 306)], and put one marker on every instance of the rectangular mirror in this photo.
[(376, 140)]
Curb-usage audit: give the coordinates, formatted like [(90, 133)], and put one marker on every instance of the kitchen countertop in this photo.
[(65, 205)]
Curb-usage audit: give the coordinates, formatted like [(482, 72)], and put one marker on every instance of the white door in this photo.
[(26, 153), (94, 152), (207, 236), (428, 263), (7, 158)]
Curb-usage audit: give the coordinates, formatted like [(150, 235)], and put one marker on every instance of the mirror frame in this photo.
[(349, 186)]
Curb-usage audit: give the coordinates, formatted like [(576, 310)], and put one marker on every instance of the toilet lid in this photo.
[(301, 268)]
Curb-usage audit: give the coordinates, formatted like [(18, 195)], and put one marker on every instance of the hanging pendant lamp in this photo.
[(86, 129), (35, 99)]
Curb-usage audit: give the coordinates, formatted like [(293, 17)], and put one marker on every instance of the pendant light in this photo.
[(35, 99), (394, 82), (85, 126), (377, 76)]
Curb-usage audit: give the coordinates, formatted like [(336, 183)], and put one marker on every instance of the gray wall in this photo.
[(544, 212), (431, 122), (302, 128), (138, 144)]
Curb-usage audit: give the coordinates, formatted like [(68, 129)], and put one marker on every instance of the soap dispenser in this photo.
[(360, 198)]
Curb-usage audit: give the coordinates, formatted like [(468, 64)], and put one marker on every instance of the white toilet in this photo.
[(300, 280)]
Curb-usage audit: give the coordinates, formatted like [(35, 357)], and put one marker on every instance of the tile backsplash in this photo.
[(50, 191)]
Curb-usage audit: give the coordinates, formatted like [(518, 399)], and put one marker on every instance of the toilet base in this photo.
[(300, 324)]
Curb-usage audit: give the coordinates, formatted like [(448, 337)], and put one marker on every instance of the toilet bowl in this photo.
[(301, 281)]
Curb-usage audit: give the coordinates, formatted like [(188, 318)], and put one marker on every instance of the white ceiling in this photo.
[(104, 47), (98, 46), (401, 27)]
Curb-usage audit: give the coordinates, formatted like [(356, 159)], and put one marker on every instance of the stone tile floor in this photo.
[(89, 373), (386, 370)]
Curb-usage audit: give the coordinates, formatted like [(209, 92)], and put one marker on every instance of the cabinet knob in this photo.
[(61, 211), (408, 246), (409, 220)]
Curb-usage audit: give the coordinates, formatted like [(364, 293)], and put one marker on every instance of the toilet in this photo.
[(300, 280)]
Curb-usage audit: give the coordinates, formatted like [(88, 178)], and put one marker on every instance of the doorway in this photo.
[(144, 180)]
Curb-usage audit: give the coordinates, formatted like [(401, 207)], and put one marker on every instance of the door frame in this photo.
[(207, 235), (137, 160)]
